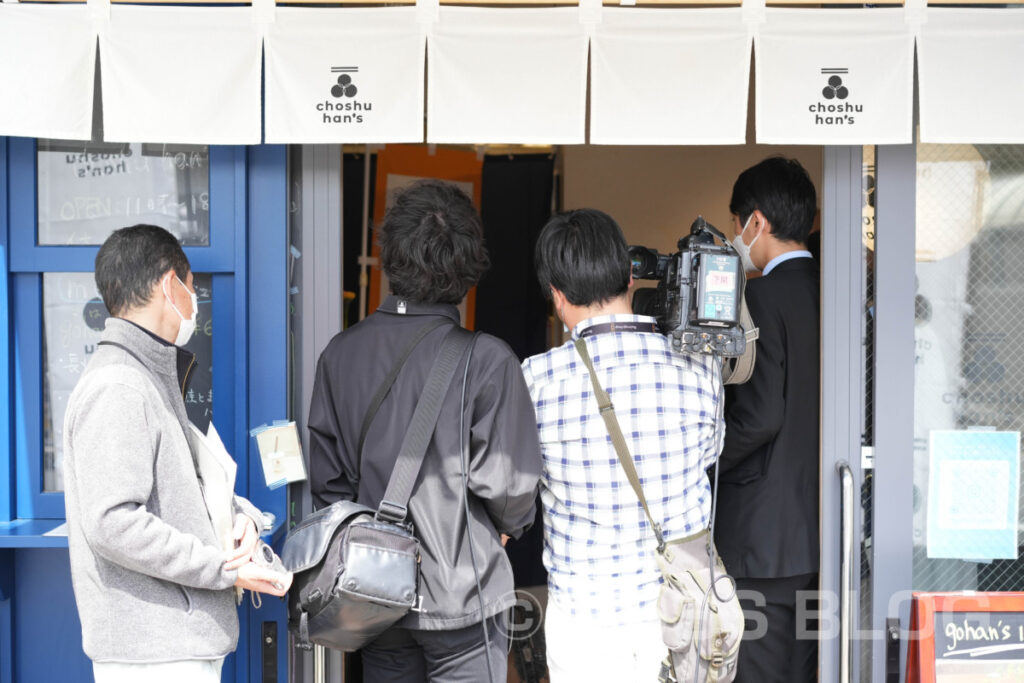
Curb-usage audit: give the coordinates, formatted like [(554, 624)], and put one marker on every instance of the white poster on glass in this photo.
[(86, 191), (73, 320)]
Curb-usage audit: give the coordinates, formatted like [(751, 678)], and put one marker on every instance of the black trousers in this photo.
[(787, 652), (402, 655)]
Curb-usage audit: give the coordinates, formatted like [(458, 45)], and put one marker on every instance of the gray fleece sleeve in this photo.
[(114, 461), (244, 507)]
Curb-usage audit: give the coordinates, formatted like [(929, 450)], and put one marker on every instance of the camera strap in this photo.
[(739, 370)]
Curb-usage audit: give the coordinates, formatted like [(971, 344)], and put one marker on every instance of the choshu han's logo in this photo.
[(343, 107), (345, 86), (834, 113), (835, 88)]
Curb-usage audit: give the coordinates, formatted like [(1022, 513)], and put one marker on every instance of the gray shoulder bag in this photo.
[(357, 569), (701, 630)]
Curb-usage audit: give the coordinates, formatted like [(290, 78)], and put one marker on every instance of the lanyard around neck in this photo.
[(621, 326)]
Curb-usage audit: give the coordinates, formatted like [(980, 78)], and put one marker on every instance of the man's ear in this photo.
[(158, 289), (557, 298), (761, 222)]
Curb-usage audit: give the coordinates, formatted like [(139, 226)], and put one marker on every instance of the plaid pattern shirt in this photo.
[(598, 545)]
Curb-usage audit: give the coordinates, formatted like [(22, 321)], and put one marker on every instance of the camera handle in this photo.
[(702, 225)]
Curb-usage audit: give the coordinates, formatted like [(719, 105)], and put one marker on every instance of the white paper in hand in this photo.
[(217, 470)]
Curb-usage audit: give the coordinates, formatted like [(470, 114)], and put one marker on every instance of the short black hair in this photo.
[(134, 259), (780, 189), (584, 255), (432, 243)]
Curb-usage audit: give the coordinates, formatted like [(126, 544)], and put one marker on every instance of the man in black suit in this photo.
[(767, 527)]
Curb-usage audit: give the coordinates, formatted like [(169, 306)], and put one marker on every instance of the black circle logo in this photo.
[(835, 89), (345, 87)]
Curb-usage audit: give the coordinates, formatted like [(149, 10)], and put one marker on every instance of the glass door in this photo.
[(948, 401), (845, 609)]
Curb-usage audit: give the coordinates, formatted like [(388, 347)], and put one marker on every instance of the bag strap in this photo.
[(389, 381), (604, 403), (739, 370), (394, 505)]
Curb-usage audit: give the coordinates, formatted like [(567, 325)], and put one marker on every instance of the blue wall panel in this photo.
[(268, 306), (268, 351), (237, 667), (48, 635), (6, 615), (6, 440)]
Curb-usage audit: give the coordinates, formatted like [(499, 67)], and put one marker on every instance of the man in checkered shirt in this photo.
[(601, 621)]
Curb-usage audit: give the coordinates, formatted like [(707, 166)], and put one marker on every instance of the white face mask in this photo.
[(743, 249), (188, 325)]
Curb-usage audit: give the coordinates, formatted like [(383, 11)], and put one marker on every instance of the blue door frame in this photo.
[(247, 258)]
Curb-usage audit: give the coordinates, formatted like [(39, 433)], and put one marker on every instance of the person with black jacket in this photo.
[(767, 526), (484, 455)]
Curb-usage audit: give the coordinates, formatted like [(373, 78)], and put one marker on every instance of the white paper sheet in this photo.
[(218, 471), (281, 454)]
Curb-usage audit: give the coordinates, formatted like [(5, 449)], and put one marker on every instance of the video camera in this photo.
[(699, 295)]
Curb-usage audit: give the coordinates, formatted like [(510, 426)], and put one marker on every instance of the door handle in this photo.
[(319, 665), (846, 572)]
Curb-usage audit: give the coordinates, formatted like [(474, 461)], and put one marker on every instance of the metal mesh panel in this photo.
[(969, 367), (867, 428)]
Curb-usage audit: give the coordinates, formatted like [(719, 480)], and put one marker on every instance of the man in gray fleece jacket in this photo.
[(153, 584)]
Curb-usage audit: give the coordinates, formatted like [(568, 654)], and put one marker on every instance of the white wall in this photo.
[(655, 193)]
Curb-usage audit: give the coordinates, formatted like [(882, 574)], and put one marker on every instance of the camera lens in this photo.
[(268, 554), (644, 263)]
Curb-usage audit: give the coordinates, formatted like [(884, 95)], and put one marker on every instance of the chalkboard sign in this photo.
[(966, 637), (979, 635), (73, 321), (88, 190)]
